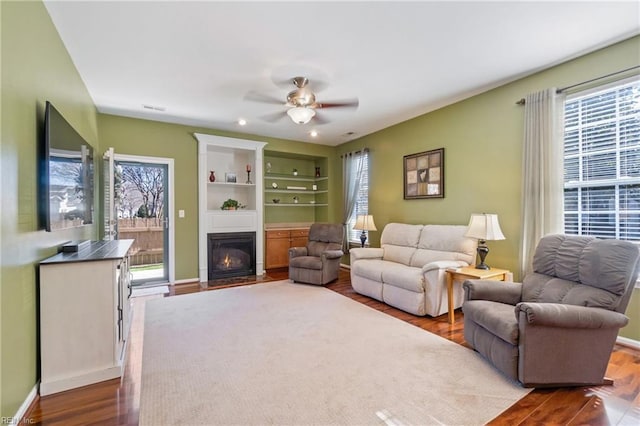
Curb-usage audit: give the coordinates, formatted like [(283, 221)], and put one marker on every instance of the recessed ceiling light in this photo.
[(242, 122), (313, 133)]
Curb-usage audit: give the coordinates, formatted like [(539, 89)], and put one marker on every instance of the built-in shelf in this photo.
[(303, 197), (232, 184), (229, 156), (295, 205), (275, 176), (295, 191), (220, 211)]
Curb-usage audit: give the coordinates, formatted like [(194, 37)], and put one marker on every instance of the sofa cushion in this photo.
[(398, 254), (547, 289), (443, 242), (369, 268), (316, 248), (421, 257), (404, 277), (306, 262), (497, 318), (326, 233), (605, 264), (401, 234), (399, 241)]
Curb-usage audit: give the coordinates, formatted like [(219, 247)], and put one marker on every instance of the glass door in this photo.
[(142, 214), (136, 207)]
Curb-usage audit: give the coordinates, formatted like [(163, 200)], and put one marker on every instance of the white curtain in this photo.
[(542, 166), (352, 169)]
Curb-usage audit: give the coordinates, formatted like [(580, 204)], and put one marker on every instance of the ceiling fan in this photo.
[(301, 103)]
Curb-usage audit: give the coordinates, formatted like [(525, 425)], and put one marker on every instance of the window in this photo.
[(362, 202), (602, 162)]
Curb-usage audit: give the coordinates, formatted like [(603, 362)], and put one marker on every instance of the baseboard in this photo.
[(81, 379), (625, 341), (345, 266), (22, 411), (186, 281)]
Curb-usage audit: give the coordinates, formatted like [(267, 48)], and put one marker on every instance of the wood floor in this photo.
[(116, 402)]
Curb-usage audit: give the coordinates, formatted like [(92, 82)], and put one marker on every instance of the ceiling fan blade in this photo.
[(320, 118), (318, 85), (261, 97), (347, 103), (276, 116)]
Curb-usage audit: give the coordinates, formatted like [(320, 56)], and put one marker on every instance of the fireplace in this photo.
[(231, 254)]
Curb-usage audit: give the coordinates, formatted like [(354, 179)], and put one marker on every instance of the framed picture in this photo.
[(424, 175), (230, 177)]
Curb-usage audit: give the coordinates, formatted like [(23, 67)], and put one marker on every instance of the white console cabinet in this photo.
[(84, 315)]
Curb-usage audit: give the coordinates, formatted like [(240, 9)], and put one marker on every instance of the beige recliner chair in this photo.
[(559, 326), (318, 262)]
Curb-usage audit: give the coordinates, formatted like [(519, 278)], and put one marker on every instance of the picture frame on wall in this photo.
[(230, 177), (424, 175)]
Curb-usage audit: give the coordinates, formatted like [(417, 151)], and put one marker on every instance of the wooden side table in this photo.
[(470, 272)]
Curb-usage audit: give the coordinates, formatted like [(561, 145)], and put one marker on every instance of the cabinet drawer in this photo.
[(296, 233), (277, 234)]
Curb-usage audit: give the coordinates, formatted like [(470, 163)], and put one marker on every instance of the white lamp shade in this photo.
[(301, 115), (364, 222), (484, 227)]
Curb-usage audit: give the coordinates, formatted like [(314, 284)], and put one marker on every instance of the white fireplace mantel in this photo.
[(228, 156)]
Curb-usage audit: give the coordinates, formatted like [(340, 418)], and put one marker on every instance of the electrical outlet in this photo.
[(181, 213)]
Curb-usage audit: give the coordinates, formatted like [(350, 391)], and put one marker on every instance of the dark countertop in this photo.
[(96, 250)]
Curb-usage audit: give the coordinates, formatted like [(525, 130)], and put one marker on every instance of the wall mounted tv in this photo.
[(66, 175)]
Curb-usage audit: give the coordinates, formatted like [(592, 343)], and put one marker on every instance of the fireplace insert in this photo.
[(231, 254)]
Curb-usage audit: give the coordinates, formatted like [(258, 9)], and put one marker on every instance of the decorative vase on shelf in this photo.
[(317, 171), (212, 176), (295, 172), (249, 174)]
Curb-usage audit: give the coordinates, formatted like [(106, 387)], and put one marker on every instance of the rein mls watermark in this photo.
[(14, 421)]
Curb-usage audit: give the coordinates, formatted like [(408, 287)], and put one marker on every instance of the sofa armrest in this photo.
[(443, 264), (569, 316), (365, 253), (332, 254), (297, 251), (495, 291)]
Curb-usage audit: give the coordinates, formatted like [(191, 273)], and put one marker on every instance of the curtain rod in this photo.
[(562, 89), (354, 152)]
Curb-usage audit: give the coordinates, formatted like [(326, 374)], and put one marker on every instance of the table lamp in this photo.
[(365, 223), (484, 227)]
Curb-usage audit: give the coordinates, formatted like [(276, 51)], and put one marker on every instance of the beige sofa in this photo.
[(408, 270)]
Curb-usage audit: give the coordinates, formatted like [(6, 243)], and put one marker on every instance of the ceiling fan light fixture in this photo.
[(301, 115)]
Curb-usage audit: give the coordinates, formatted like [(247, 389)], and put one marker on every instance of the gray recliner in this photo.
[(318, 262), (557, 327)]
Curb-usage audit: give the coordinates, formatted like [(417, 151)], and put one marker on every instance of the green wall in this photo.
[(150, 138), (35, 67), (482, 137)]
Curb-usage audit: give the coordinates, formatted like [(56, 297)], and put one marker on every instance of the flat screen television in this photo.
[(65, 175)]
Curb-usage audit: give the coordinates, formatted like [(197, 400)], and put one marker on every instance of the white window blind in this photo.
[(602, 162), (362, 202)]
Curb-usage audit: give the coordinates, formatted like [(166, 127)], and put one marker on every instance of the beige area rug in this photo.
[(288, 354)]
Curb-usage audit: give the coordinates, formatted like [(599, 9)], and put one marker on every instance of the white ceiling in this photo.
[(199, 59)]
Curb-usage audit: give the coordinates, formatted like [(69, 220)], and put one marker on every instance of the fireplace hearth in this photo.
[(231, 254)]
